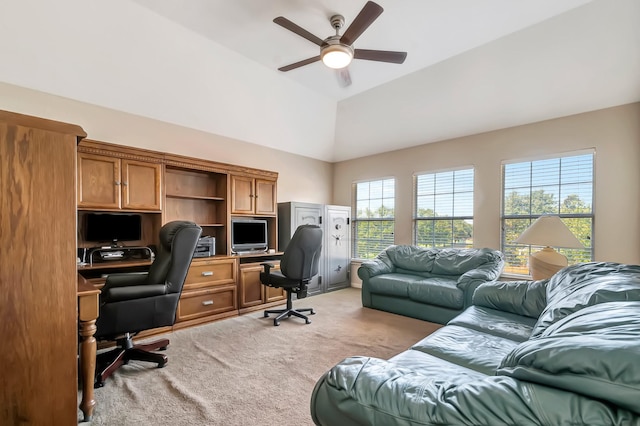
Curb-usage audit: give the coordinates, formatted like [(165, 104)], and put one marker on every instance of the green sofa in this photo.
[(427, 283), (564, 351)]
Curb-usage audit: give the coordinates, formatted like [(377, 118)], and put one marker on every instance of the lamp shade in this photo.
[(336, 55), (549, 231)]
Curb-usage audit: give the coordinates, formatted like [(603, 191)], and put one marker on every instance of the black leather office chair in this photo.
[(298, 265), (130, 303)]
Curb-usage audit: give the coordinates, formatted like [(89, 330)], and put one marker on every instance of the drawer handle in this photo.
[(207, 303), (207, 274)]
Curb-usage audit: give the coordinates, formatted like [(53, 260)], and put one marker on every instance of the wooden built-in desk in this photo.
[(88, 309)]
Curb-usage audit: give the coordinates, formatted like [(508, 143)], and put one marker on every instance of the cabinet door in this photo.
[(140, 185), (242, 196), (98, 181), (265, 200), (337, 247), (250, 288)]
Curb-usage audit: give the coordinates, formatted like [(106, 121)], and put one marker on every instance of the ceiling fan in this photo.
[(337, 51)]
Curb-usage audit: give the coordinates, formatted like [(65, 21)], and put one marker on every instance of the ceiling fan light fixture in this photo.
[(336, 56)]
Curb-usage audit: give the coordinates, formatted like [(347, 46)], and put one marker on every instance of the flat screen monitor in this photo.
[(249, 235), (112, 227)]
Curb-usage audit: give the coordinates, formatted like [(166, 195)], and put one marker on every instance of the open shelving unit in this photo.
[(199, 196)]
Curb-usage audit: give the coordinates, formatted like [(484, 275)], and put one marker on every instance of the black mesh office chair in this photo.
[(298, 265), (130, 303)]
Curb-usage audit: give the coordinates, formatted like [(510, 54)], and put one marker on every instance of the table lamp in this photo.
[(548, 231)]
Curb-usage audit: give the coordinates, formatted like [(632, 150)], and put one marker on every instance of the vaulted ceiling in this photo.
[(212, 65)]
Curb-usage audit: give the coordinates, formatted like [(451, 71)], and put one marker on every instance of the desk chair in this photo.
[(130, 303), (298, 265)]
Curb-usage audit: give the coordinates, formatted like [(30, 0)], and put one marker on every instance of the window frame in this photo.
[(356, 221), (417, 219), (532, 217)]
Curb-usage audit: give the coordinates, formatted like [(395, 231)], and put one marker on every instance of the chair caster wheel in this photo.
[(312, 313), (308, 322), (163, 348), (98, 385), (266, 315), (276, 323), (162, 364)]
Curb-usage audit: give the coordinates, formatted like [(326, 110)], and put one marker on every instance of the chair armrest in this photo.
[(528, 298), (118, 294), (267, 267), (125, 279)]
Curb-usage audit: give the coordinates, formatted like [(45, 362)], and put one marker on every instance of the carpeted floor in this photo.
[(244, 371)]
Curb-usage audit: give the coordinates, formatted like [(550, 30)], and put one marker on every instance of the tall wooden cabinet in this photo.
[(38, 304), (333, 268)]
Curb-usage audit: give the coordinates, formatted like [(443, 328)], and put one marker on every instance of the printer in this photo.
[(206, 247)]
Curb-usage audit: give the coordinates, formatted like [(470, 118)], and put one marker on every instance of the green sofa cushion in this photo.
[(459, 261), (498, 323), (412, 258), (468, 348), (437, 291), (594, 352), (392, 284), (578, 286)]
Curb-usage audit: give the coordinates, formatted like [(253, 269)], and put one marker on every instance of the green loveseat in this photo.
[(427, 283), (564, 351)]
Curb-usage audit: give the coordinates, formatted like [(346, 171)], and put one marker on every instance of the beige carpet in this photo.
[(244, 371)]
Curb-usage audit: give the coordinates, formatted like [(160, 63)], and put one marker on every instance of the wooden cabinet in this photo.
[(251, 291), (199, 196), (164, 187), (38, 271), (106, 182), (209, 291), (253, 196)]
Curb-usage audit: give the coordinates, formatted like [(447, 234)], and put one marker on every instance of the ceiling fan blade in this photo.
[(380, 55), (299, 64), (344, 77), (367, 15), (284, 22)]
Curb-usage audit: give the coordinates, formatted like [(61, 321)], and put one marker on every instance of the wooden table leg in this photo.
[(88, 348)]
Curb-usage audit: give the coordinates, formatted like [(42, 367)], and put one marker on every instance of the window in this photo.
[(443, 214), (374, 217), (562, 186)]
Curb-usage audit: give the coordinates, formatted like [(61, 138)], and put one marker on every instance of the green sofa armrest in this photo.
[(380, 265), (528, 298), (470, 280), (363, 390)]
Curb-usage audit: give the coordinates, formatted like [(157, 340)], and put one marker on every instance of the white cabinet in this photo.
[(333, 269)]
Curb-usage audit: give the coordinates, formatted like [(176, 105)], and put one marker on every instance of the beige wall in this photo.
[(614, 133), (300, 178)]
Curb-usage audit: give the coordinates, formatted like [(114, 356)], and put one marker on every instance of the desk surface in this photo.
[(114, 264)]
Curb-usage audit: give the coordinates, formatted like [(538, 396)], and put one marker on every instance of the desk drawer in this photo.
[(199, 303), (205, 273)]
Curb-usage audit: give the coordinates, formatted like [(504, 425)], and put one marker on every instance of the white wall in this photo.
[(120, 55), (300, 178), (614, 133)]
